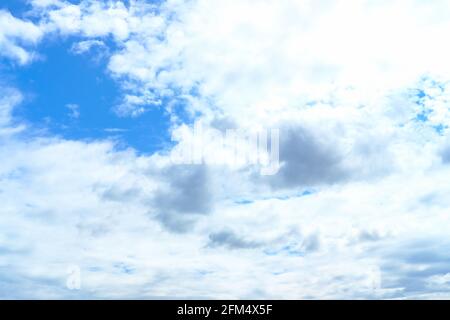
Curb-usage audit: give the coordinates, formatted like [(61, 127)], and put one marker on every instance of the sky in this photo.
[(98, 99)]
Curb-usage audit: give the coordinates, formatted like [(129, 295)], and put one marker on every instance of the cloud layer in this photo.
[(359, 208)]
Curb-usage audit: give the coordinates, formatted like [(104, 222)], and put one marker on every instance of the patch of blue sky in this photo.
[(440, 128), (303, 193), (124, 268), (60, 79), (423, 116), (21, 8), (292, 251), (418, 96), (288, 250), (178, 103), (300, 194), (73, 96), (16, 7)]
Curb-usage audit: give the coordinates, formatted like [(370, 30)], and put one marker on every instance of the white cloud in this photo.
[(9, 98), (359, 209), (74, 110), (16, 33), (45, 3), (84, 46), (275, 56), (138, 227)]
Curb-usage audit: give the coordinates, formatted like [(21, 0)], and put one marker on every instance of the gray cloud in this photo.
[(311, 243), (224, 123), (291, 243), (115, 193), (445, 155), (369, 236), (305, 160), (231, 240), (400, 271), (188, 195)]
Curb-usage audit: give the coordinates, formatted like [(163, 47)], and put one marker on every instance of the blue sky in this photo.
[(16, 7), (98, 99), (59, 78)]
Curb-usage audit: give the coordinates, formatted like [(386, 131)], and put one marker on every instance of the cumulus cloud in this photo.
[(226, 53), (357, 210), (188, 193), (306, 161), (230, 240), (14, 35)]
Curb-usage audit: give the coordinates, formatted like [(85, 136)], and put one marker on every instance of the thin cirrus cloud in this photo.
[(358, 209)]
